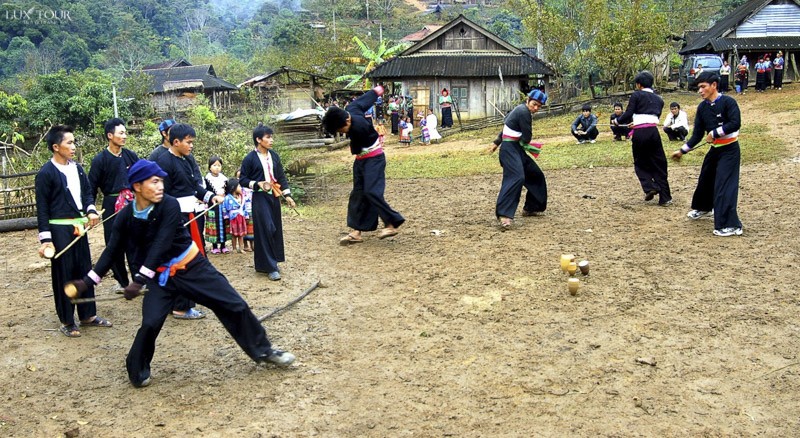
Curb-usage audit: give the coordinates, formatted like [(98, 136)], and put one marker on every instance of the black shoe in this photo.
[(144, 383), (277, 357), (650, 195)]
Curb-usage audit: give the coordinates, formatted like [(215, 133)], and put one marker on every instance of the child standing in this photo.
[(247, 194), (405, 131), (215, 223), (233, 206), (381, 129), (426, 134)]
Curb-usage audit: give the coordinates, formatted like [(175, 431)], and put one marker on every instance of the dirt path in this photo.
[(455, 328)]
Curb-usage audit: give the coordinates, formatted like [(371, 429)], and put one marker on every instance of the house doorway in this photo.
[(422, 100)]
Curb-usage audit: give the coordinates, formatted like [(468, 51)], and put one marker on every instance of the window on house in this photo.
[(460, 96)]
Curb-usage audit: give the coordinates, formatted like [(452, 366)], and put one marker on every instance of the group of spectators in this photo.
[(584, 128)]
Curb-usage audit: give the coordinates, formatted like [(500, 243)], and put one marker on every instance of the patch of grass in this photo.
[(442, 165), (315, 211), (759, 145), (783, 102)]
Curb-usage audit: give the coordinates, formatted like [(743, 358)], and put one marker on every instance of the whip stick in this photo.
[(75, 240), (498, 109), (100, 298), (92, 300), (287, 203), (290, 303), (202, 213)]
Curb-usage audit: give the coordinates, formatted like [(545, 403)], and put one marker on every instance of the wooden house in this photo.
[(176, 85), (484, 74), (285, 89), (755, 28)]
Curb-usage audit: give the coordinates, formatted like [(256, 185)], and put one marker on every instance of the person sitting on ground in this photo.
[(620, 132), (584, 128), (676, 125)]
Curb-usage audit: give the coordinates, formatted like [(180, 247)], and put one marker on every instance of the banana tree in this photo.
[(368, 60)]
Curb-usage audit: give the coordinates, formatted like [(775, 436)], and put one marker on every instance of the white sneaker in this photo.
[(729, 231), (277, 357), (697, 214), (579, 142), (592, 142)]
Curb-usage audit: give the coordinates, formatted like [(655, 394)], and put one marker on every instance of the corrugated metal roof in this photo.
[(773, 20), (766, 43), (192, 76), (727, 24), (460, 64)]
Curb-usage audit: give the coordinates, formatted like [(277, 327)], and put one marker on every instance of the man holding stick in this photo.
[(717, 192), (109, 174), (164, 256), (263, 173), (367, 202), (64, 206), (519, 169), (185, 182)]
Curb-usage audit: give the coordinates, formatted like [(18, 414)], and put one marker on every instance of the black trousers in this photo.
[(395, 121), (591, 134), (367, 202), (676, 134), (650, 162), (71, 265), (779, 78), (267, 232), (620, 131), (761, 84), (118, 265), (201, 282), (718, 185), (182, 304), (723, 83), (519, 170)]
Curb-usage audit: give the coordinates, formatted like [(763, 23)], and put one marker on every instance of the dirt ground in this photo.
[(455, 328)]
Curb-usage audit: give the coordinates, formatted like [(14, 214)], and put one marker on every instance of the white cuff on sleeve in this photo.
[(147, 272), (685, 148), (93, 275), (45, 235)]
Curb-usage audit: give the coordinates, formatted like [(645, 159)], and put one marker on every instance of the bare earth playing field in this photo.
[(466, 331)]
